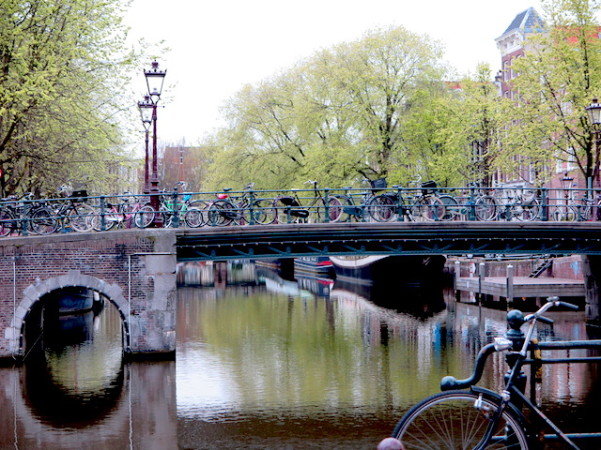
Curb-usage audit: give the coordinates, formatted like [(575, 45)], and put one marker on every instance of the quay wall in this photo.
[(134, 269)]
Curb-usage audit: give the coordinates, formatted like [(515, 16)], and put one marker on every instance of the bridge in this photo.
[(135, 268)]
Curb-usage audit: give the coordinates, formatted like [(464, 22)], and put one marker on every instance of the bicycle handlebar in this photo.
[(450, 382)]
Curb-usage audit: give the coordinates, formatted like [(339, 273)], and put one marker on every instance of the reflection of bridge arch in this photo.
[(35, 292)]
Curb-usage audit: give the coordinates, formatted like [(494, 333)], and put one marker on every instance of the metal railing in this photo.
[(81, 212)]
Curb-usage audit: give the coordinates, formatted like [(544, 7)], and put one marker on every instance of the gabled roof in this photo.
[(527, 22)]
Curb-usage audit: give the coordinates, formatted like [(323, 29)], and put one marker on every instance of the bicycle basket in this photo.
[(428, 187), (379, 184)]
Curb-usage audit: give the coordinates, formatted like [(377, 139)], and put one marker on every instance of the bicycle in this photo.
[(478, 418), (242, 210), (474, 204), (122, 214), (371, 207), (523, 206), (72, 212), (289, 208), (424, 205), (27, 215)]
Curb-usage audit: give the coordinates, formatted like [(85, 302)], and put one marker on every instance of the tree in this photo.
[(338, 117), (465, 122), (558, 77), (59, 118)]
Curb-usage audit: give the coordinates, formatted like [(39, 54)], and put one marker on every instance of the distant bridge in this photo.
[(135, 269), (388, 238)]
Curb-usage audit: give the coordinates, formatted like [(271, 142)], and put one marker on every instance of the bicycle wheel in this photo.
[(382, 208), (263, 212), (43, 221), (428, 208), (220, 214), (194, 217), (111, 218), (80, 218), (563, 214), (349, 210), (334, 210), (485, 208), (144, 216), (452, 207), (526, 211), (450, 420), (7, 222)]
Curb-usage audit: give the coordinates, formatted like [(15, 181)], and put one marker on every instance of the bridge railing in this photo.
[(82, 212)]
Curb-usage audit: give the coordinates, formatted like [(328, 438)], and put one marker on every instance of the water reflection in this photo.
[(277, 365), (75, 392)]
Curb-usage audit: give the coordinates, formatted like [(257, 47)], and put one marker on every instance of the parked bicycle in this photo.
[(121, 213), (23, 214), (73, 213), (423, 205), (365, 205), (476, 203), (290, 208), (241, 210), (518, 204), (478, 418)]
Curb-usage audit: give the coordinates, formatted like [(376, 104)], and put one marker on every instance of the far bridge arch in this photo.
[(36, 292)]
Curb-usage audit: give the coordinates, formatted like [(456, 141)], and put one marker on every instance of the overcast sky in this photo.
[(219, 46)]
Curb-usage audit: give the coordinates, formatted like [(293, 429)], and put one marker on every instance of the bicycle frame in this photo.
[(513, 397)]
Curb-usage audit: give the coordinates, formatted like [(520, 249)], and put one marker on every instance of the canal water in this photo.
[(268, 363)]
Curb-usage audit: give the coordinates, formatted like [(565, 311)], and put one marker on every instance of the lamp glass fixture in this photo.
[(146, 109), (154, 81), (594, 113)]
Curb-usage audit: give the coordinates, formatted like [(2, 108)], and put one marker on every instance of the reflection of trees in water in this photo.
[(74, 375)]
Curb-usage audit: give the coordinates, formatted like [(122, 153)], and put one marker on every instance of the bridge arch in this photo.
[(36, 291)]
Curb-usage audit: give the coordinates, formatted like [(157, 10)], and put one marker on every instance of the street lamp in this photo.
[(566, 183), (594, 117), (146, 108), (154, 83), (594, 113)]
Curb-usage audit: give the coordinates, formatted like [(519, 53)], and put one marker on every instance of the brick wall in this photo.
[(136, 266)]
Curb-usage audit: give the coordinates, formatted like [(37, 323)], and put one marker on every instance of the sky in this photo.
[(217, 47)]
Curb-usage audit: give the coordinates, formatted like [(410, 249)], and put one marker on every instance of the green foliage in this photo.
[(361, 109), (60, 61)]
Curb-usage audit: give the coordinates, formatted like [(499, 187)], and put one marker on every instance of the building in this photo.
[(513, 43)]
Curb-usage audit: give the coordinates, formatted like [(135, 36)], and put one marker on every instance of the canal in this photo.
[(265, 362)]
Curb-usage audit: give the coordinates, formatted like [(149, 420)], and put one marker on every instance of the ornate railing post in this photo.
[(102, 213), (251, 206), (176, 209), (471, 204), (544, 199), (326, 194), (399, 205), (515, 320)]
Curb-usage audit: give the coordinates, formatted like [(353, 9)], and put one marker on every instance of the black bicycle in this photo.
[(478, 418), (26, 215)]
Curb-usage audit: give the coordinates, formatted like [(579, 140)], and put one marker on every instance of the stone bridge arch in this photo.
[(74, 278), (134, 269)]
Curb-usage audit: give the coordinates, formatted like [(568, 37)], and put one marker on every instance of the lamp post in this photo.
[(146, 108), (154, 83), (594, 117), (566, 183)]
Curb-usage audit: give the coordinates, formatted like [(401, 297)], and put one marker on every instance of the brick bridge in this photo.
[(135, 269)]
